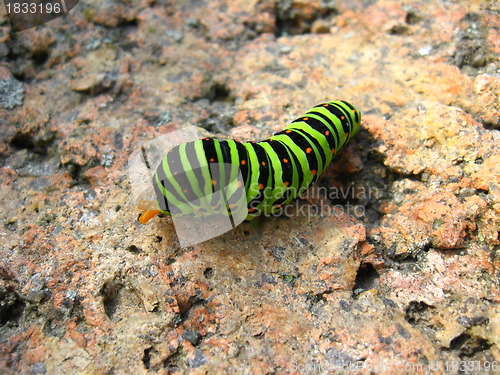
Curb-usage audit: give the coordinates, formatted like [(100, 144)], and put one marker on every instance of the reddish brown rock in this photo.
[(393, 261)]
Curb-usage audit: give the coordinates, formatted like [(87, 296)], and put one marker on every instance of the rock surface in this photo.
[(394, 267)]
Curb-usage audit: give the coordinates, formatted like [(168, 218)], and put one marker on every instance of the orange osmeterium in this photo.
[(148, 215)]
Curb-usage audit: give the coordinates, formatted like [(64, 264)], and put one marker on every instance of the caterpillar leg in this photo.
[(150, 208)]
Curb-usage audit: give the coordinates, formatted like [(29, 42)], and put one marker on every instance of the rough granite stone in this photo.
[(391, 264)]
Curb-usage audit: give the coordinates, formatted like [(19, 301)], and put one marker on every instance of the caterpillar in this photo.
[(272, 172)]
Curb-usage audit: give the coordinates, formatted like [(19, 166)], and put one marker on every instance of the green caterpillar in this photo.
[(272, 172)]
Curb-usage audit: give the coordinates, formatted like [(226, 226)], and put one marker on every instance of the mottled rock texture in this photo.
[(397, 263)]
